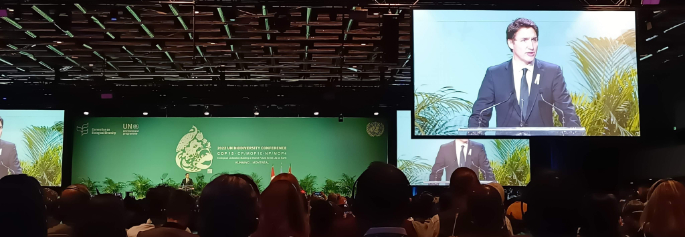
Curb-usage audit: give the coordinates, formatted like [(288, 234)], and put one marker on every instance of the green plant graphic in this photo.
[(92, 186), (331, 186), (414, 168), (433, 112), (257, 180), (44, 145), (346, 184), (609, 74), (199, 184), (140, 185), (109, 186), (512, 167), (308, 183)]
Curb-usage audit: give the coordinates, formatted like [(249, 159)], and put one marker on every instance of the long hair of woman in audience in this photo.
[(484, 215), (292, 179), (664, 213), (282, 212)]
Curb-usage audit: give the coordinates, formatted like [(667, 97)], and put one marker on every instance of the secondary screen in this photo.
[(432, 161), (546, 73), (31, 142)]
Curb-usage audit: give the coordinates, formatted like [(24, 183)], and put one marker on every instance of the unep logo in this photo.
[(375, 129), (193, 152), (83, 129)]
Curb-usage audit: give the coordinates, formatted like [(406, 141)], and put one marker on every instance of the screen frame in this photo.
[(635, 11)]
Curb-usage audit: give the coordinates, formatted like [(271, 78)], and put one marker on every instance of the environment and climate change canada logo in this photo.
[(193, 152)]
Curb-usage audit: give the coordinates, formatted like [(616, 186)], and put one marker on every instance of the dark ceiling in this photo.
[(251, 53)]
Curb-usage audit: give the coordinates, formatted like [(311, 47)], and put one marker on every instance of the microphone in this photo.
[(563, 118), (436, 172), (480, 115), (479, 169), (9, 171)]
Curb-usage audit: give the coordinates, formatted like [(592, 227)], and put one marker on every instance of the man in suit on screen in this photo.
[(9, 160), (461, 153), (521, 84)]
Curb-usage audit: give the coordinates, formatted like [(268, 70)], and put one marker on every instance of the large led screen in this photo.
[(525, 73)]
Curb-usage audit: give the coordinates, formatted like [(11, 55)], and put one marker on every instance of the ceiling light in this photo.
[(86, 113), (196, 12), (212, 43), (316, 113), (256, 113), (363, 44), (145, 113), (375, 113), (59, 42), (207, 113), (10, 9)]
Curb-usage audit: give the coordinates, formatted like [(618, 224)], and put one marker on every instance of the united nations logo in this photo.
[(193, 152), (375, 129), (83, 129)]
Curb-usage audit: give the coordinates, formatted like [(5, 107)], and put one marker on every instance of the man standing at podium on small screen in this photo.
[(461, 153), (518, 88), (9, 160), (187, 181)]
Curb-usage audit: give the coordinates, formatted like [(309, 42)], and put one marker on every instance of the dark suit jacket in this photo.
[(9, 160), (190, 182), (498, 85), (476, 160)]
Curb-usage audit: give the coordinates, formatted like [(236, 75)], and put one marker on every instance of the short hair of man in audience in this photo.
[(228, 207), (180, 207)]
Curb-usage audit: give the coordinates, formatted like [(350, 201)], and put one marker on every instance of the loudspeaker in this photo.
[(390, 36)]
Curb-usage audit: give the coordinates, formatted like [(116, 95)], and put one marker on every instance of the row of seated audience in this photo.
[(381, 206)]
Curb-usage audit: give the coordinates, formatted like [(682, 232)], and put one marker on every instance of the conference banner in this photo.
[(117, 154)]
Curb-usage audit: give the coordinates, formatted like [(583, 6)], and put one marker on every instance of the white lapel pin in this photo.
[(537, 80), (470, 151)]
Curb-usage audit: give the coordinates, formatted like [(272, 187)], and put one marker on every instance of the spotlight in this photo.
[(316, 113), (86, 113), (207, 113), (59, 42), (10, 9), (256, 113), (341, 118), (363, 44), (212, 43), (145, 113), (375, 113), (197, 12)]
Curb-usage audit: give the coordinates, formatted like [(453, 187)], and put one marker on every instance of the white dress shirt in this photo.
[(458, 143), (518, 73)]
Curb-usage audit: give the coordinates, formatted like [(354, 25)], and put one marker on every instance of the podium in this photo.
[(448, 182), (524, 131), (187, 188)]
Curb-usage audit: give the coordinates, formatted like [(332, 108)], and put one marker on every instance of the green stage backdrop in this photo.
[(118, 148)]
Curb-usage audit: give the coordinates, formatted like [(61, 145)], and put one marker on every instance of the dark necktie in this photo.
[(462, 157), (523, 101)]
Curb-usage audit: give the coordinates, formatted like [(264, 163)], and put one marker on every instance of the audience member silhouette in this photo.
[(50, 199), (71, 208), (484, 215), (664, 213), (425, 221), (229, 207), (321, 218), (178, 211), (463, 182), (282, 211), (105, 217), (553, 204), (630, 218), (381, 201), (156, 202), (23, 212), (601, 216)]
